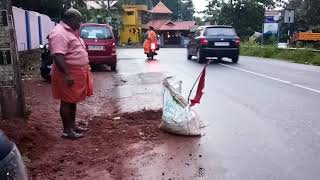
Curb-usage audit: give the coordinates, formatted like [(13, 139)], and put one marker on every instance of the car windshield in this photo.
[(220, 31), (95, 32)]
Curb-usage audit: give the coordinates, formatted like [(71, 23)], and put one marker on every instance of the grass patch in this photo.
[(303, 56), (30, 59)]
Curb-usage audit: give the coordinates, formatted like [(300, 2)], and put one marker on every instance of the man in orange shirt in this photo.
[(71, 74)]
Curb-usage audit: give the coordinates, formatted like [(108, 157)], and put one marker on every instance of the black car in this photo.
[(214, 41), (11, 163)]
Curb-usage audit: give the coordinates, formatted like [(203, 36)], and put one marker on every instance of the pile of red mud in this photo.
[(104, 148), (102, 153)]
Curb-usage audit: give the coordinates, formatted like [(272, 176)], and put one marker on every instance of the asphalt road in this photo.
[(263, 117)]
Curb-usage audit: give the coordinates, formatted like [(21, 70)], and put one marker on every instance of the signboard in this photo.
[(4, 31), (6, 68), (289, 16), (270, 28), (12, 100), (272, 16), (4, 38), (5, 57), (6, 75), (3, 18)]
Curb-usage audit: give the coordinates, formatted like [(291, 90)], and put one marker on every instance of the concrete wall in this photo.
[(47, 25), (20, 25), (32, 28), (132, 22), (125, 34)]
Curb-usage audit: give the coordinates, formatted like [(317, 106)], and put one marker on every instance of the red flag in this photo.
[(197, 98)]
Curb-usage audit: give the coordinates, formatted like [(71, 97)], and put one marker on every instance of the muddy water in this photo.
[(138, 91)]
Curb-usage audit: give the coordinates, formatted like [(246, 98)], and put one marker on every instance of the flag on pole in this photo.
[(198, 96)]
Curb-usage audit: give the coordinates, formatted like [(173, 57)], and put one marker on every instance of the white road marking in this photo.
[(306, 88), (273, 78)]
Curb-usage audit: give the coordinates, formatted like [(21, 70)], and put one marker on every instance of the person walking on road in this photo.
[(71, 74)]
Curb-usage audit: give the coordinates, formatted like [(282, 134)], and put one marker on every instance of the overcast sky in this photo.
[(200, 5)]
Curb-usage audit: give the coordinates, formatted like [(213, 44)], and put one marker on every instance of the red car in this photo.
[(100, 44)]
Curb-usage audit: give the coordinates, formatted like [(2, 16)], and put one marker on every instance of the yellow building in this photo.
[(133, 23)]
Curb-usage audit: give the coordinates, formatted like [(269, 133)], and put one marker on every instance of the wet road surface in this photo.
[(263, 118)]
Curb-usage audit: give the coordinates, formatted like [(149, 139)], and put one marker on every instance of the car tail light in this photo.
[(237, 41), (113, 47), (204, 41)]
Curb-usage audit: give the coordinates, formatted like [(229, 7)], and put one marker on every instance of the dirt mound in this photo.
[(102, 153), (105, 148)]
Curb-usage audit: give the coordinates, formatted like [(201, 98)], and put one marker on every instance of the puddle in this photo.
[(138, 91), (177, 158)]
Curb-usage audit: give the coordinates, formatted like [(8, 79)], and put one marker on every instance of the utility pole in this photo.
[(87, 11), (181, 16), (289, 19), (12, 102)]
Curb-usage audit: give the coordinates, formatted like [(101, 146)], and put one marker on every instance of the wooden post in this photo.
[(12, 101)]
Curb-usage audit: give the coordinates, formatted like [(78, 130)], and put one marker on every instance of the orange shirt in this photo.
[(152, 36), (64, 40)]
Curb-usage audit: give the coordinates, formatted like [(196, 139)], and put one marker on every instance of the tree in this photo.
[(199, 21), (182, 9), (187, 10), (245, 15), (307, 14), (213, 11), (54, 9)]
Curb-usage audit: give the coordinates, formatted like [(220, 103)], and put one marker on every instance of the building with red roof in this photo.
[(160, 8), (167, 25), (171, 32)]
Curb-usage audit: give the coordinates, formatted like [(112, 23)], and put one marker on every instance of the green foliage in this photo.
[(307, 14), (303, 56), (52, 8), (55, 9), (245, 15), (199, 21), (270, 39), (106, 11), (187, 10), (182, 9), (316, 28)]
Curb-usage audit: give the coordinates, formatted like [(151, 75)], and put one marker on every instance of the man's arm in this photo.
[(61, 64), (59, 60)]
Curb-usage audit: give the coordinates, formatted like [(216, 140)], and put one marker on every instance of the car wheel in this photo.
[(113, 67), (45, 75), (235, 59), (200, 57), (189, 57)]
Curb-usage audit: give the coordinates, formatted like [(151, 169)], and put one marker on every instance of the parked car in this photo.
[(11, 163), (100, 44), (214, 41)]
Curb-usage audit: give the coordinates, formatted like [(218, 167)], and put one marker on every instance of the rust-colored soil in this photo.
[(102, 153)]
